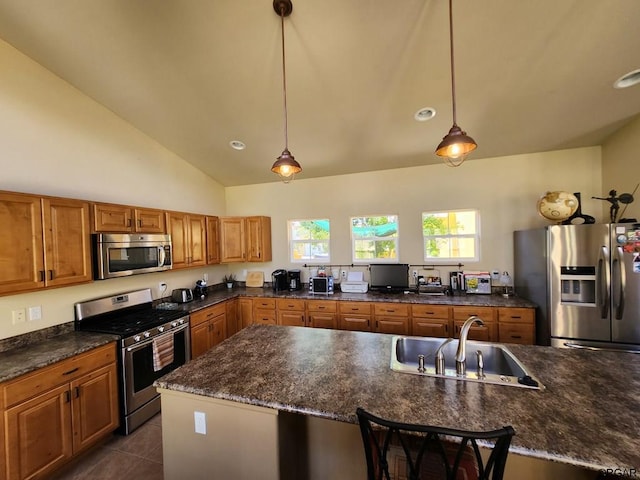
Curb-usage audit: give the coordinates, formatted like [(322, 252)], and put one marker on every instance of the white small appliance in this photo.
[(354, 283)]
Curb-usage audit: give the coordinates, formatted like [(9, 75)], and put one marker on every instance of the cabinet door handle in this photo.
[(67, 397), (76, 392), (516, 336), (321, 307), (139, 222), (71, 371), (128, 222), (51, 274), (42, 276), (516, 316)]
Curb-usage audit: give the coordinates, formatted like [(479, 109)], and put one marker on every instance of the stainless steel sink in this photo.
[(501, 367)]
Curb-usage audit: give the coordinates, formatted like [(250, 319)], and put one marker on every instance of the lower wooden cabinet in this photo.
[(264, 311), (53, 413), (517, 325), (322, 314), (355, 316), (486, 333), (245, 312), (233, 317), (391, 318), (291, 312), (208, 328), (431, 320)]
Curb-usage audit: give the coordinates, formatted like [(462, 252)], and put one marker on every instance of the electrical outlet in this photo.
[(343, 274), (19, 316), (162, 287), (415, 274)]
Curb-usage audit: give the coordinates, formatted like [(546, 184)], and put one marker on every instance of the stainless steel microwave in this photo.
[(121, 255)]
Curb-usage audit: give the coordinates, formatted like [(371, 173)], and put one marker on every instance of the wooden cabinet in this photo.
[(112, 218), (322, 313), (291, 312), (58, 411), (391, 318), (258, 244), (355, 316), (264, 311), (517, 325), (487, 332), (188, 239), (233, 319), (245, 239), (44, 242), (213, 240), (208, 328), (245, 312), (431, 320)]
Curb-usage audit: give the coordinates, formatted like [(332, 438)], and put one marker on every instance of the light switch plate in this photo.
[(35, 313), (200, 420)]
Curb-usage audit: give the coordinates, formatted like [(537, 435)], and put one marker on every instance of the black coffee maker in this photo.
[(201, 289), (280, 280), (294, 280)]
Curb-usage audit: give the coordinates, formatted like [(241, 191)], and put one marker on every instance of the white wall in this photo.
[(620, 160), (505, 190), (57, 141)]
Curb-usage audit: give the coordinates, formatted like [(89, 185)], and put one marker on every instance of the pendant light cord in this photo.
[(284, 83), (453, 76)]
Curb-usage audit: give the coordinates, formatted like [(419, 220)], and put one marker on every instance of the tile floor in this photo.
[(138, 455)]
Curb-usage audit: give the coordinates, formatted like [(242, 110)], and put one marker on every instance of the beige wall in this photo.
[(620, 160), (505, 190), (57, 141)]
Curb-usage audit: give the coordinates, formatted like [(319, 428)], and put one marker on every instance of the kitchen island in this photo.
[(284, 399)]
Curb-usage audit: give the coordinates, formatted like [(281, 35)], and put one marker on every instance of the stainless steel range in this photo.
[(153, 342)]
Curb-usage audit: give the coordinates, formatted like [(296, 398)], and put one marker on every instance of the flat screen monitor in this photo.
[(389, 277)]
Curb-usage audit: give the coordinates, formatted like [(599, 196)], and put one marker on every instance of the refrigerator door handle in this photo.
[(602, 282), (618, 282)]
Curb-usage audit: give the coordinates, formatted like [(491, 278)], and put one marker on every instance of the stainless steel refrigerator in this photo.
[(585, 280)]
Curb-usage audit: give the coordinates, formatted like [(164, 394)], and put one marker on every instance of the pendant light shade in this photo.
[(285, 165), (455, 146)]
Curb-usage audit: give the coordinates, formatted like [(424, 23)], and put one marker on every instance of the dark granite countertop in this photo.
[(217, 296), (588, 415), (31, 356)]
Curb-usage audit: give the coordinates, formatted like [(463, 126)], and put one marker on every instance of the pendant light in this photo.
[(455, 146), (285, 165)]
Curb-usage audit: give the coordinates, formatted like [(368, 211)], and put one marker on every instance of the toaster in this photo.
[(181, 295)]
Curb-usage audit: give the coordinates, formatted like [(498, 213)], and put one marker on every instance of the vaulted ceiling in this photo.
[(531, 76)]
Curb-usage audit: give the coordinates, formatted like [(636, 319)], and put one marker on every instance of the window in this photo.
[(375, 238), (453, 235), (309, 240)]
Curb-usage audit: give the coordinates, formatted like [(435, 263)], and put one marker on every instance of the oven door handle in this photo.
[(173, 331)]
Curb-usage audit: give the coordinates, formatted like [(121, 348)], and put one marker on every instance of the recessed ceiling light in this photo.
[(237, 145), (425, 114), (628, 79)]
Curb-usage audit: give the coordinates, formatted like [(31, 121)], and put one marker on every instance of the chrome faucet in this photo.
[(439, 357), (461, 354)]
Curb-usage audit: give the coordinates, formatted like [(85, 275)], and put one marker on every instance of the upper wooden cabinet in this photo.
[(110, 218), (213, 240), (188, 239), (44, 242), (245, 239)]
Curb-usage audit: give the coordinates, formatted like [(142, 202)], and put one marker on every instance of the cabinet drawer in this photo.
[(267, 303), (517, 333), (430, 327), (206, 314), (517, 315), (392, 324), (487, 314), (485, 333), (290, 304), (391, 309), (47, 378), (264, 317), (361, 308), (322, 306), (430, 311)]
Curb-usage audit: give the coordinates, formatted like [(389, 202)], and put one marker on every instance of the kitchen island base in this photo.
[(244, 441)]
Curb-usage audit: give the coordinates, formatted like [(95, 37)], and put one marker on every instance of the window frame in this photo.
[(475, 236), (396, 239), (292, 242)]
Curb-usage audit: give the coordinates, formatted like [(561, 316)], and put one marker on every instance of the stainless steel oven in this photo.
[(153, 342)]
